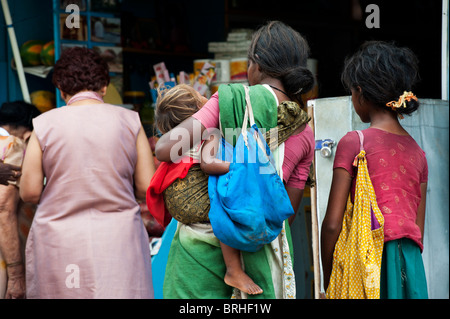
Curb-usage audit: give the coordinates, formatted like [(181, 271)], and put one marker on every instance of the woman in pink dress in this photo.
[(86, 163)]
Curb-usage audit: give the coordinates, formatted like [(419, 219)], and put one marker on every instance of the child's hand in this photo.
[(9, 173)]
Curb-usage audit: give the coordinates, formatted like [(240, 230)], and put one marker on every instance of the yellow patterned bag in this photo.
[(358, 251)]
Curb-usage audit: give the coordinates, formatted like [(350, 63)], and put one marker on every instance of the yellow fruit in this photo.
[(43, 100)]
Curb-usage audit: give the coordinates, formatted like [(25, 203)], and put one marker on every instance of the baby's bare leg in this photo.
[(235, 276)]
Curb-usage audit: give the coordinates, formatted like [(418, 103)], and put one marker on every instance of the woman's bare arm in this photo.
[(332, 223), (145, 165), (420, 218), (9, 236), (209, 163), (32, 181), (10, 242), (295, 196)]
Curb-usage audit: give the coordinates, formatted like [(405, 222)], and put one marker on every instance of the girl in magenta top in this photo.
[(380, 77)]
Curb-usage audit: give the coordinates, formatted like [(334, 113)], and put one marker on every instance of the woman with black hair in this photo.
[(278, 77), (15, 129)]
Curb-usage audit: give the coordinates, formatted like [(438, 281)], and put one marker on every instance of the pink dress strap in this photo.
[(361, 140)]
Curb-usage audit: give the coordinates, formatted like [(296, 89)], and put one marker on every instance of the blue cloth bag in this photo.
[(248, 204)]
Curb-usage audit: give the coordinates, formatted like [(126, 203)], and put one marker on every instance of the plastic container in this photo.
[(198, 65), (222, 69), (238, 69)]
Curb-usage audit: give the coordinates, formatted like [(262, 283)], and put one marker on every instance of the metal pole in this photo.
[(16, 53), (314, 217), (444, 51)]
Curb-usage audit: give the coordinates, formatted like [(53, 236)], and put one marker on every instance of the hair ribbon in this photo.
[(406, 96)]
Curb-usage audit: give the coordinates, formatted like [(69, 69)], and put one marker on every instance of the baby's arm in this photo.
[(209, 163)]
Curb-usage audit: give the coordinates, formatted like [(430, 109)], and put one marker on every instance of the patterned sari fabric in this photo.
[(290, 117), (187, 198)]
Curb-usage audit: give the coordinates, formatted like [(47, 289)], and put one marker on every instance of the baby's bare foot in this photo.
[(243, 282)]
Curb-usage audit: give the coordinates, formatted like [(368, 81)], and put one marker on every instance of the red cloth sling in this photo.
[(164, 176)]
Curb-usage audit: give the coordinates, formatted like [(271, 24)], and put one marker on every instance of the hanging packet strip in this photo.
[(204, 78), (160, 72), (248, 204)]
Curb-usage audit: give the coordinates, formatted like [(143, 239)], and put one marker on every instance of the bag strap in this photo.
[(248, 115), (361, 147), (361, 140), (248, 109), (375, 223)]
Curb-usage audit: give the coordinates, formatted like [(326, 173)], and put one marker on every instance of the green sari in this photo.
[(195, 267)]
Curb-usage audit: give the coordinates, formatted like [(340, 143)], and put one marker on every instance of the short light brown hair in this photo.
[(174, 105)]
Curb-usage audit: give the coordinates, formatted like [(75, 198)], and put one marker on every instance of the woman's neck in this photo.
[(387, 121), (85, 102), (84, 98), (277, 87)]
